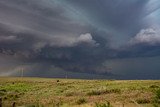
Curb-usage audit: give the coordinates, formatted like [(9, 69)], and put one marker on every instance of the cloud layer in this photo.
[(49, 38)]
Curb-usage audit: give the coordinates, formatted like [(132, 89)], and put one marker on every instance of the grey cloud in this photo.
[(86, 38), (60, 41), (8, 38), (149, 36)]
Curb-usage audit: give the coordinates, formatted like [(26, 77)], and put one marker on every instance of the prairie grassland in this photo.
[(44, 92)]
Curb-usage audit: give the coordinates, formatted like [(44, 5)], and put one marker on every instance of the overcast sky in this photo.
[(117, 39)]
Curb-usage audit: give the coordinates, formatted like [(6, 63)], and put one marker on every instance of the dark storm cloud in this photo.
[(50, 37), (40, 33)]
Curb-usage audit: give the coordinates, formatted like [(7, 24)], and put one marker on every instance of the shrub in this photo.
[(81, 101), (2, 93), (70, 94), (94, 92), (153, 86), (30, 106), (114, 91), (155, 105), (3, 90), (158, 94), (12, 96), (143, 101), (156, 99), (103, 105), (99, 92)]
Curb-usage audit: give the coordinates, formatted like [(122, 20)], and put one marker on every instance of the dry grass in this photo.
[(66, 93)]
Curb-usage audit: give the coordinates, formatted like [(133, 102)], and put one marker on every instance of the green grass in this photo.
[(76, 92)]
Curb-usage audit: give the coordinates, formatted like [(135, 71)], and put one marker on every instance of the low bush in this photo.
[(157, 97), (70, 94), (99, 92), (2, 93), (153, 86), (114, 91), (158, 94), (143, 101), (103, 105), (81, 101), (94, 92)]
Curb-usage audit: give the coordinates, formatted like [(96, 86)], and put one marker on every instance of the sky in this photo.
[(91, 39)]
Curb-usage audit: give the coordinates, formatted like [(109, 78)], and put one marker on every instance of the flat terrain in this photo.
[(42, 92)]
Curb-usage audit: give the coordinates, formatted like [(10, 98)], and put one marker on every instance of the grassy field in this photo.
[(42, 92)]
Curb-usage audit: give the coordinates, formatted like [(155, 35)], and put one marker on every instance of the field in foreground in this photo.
[(42, 92)]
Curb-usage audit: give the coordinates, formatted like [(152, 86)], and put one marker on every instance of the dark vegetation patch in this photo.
[(103, 104), (81, 101), (100, 92), (143, 101), (153, 86), (157, 96)]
